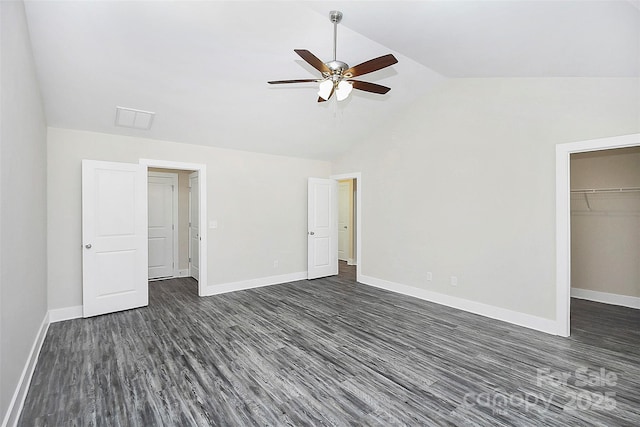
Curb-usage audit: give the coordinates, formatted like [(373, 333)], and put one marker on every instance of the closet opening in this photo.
[(605, 233), (564, 196)]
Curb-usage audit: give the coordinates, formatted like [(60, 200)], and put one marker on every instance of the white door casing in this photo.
[(194, 227), (114, 237), (563, 218), (322, 233), (202, 211), (162, 224)]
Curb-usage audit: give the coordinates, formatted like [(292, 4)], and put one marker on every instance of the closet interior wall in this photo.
[(605, 221)]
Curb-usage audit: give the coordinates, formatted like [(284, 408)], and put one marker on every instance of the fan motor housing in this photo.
[(337, 67)]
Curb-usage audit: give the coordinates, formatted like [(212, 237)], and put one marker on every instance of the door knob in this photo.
[(311, 233), (88, 246), (345, 226)]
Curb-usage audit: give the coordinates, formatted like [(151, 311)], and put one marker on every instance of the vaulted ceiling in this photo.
[(203, 66)]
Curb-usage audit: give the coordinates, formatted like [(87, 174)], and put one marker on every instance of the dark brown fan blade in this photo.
[(369, 87), (371, 66), (279, 82), (320, 99), (312, 60)]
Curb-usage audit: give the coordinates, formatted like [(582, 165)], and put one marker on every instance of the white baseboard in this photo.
[(183, 273), (17, 401), (521, 319), (254, 283), (351, 261), (605, 297), (67, 313)]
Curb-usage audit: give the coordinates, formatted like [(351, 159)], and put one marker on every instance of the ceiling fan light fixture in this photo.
[(343, 90), (326, 87), (336, 74)]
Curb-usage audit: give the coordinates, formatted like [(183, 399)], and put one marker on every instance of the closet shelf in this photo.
[(606, 190)]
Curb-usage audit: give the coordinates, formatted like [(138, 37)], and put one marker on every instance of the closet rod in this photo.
[(607, 190)]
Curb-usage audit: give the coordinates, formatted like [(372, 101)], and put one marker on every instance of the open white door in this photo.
[(114, 237), (322, 235), (194, 226)]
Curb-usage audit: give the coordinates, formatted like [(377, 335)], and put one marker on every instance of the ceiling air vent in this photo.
[(132, 118)]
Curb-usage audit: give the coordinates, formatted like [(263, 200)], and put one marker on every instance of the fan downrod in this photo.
[(337, 67)]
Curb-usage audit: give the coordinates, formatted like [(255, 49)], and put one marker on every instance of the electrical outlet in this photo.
[(454, 281), (429, 276)]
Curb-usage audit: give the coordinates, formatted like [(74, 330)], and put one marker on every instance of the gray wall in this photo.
[(258, 200), (23, 288), (462, 183)]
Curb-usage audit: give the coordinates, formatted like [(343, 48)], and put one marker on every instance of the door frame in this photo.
[(563, 218), (357, 176), (176, 222), (202, 193)]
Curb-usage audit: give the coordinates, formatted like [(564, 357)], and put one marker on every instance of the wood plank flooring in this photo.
[(331, 352)]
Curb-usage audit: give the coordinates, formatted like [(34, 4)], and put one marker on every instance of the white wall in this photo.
[(258, 200), (462, 183), (23, 292), (605, 234)]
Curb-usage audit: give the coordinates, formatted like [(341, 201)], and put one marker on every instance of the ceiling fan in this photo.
[(336, 75)]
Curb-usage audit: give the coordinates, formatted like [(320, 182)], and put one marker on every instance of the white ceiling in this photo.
[(203, 66)]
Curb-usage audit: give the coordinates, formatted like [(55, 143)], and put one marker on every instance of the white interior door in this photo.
[(114, 237), (322, 235), (162, 188), (344, 212), (194, 224)]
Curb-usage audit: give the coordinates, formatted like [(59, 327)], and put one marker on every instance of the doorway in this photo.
[(172, 212), (346, 221), (563, 218), (605, 226), (196, 244), (350, 194)]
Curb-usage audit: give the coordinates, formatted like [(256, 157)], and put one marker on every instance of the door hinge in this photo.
[(189, 223), (173, 227), (189, 259)]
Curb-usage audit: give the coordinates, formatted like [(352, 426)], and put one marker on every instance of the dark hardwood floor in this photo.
[(331, 352)]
